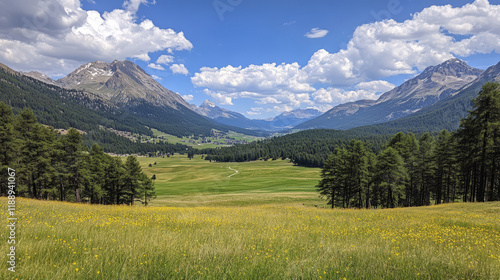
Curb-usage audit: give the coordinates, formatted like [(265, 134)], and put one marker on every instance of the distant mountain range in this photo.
[(434, 84), (122, 96), (444, 114), (125, 87), (284, 121)]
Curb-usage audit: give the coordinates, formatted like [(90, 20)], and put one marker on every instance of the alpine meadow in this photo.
[(250, 139)]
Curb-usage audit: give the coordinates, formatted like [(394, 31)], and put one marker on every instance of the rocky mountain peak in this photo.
[(452, 67), (208, 103), (121, 83), (39, 76)]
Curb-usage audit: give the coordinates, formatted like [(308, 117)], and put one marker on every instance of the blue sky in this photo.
[(256, 57)]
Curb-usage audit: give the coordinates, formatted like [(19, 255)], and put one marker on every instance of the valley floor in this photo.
[(259, 223)]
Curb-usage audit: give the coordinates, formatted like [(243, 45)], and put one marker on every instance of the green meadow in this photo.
[(197, 182), (211, 222)]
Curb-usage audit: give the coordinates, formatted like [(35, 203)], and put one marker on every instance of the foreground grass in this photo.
[(71, 241)]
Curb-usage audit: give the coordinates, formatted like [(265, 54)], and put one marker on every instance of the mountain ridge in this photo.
[(285, 120), (433, 84), (121, 83)]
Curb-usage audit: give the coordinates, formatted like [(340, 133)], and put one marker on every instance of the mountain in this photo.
[(434, 84), (41, 77), (292, 118), (283, 121), (136, 104), (126, 85), (121, 83), (444, 114)]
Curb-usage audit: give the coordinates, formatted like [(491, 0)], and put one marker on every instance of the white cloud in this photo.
[(335, 96), (219, 98), (388, 48), (58, 35), (268, 78), (133, 5), (188, 97), (268, 100), (316, 33), (144, 57), (179, 69), (165, 59), (156, 66), (281, 108), (255, 111), (156, 77), (375, 51), (375, 86)]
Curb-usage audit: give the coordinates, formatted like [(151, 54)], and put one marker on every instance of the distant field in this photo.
[(198, 143), (77, 241), (197, 182)]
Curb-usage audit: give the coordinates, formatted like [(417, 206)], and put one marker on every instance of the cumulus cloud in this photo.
[(58, 35), (375, 51), (188, 97), (179, 69), (268, 100), (165, 59), (133, 5), (222, 99), (316, 33), (255, 111), (375, 86), (334, 96), (268, 78), (156, 66)]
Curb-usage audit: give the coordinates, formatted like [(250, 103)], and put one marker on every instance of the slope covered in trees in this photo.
[(62, 108), (50, 166), (444, 114), (306, 148), (414, 172)]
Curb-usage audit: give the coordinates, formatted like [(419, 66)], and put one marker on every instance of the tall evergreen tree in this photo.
[(76, 164), (333, 177), (133, 176), (7, 145), (390, 177)]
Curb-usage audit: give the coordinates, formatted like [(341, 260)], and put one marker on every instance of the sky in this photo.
[(259, 58)]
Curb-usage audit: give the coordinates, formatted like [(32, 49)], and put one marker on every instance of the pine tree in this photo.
[(7, 145), (132, 179), (76, 165), (425, 168), (390, 177), (333, 177)]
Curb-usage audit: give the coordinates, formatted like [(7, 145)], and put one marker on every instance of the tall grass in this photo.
[(74, 241)]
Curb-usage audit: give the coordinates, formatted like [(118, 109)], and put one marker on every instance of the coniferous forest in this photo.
[(417, 171), (60, 167)]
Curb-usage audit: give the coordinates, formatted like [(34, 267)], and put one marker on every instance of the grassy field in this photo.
[(197, 182), (198, 143), (211, 222), (70, 241)]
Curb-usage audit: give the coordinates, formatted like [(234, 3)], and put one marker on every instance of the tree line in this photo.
[(410, 171), (60, 167), (306, 148)]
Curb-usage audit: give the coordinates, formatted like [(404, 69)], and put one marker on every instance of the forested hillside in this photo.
[(47, 165), (63, 109), (306, 148), (413, 171), (445, 114)]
